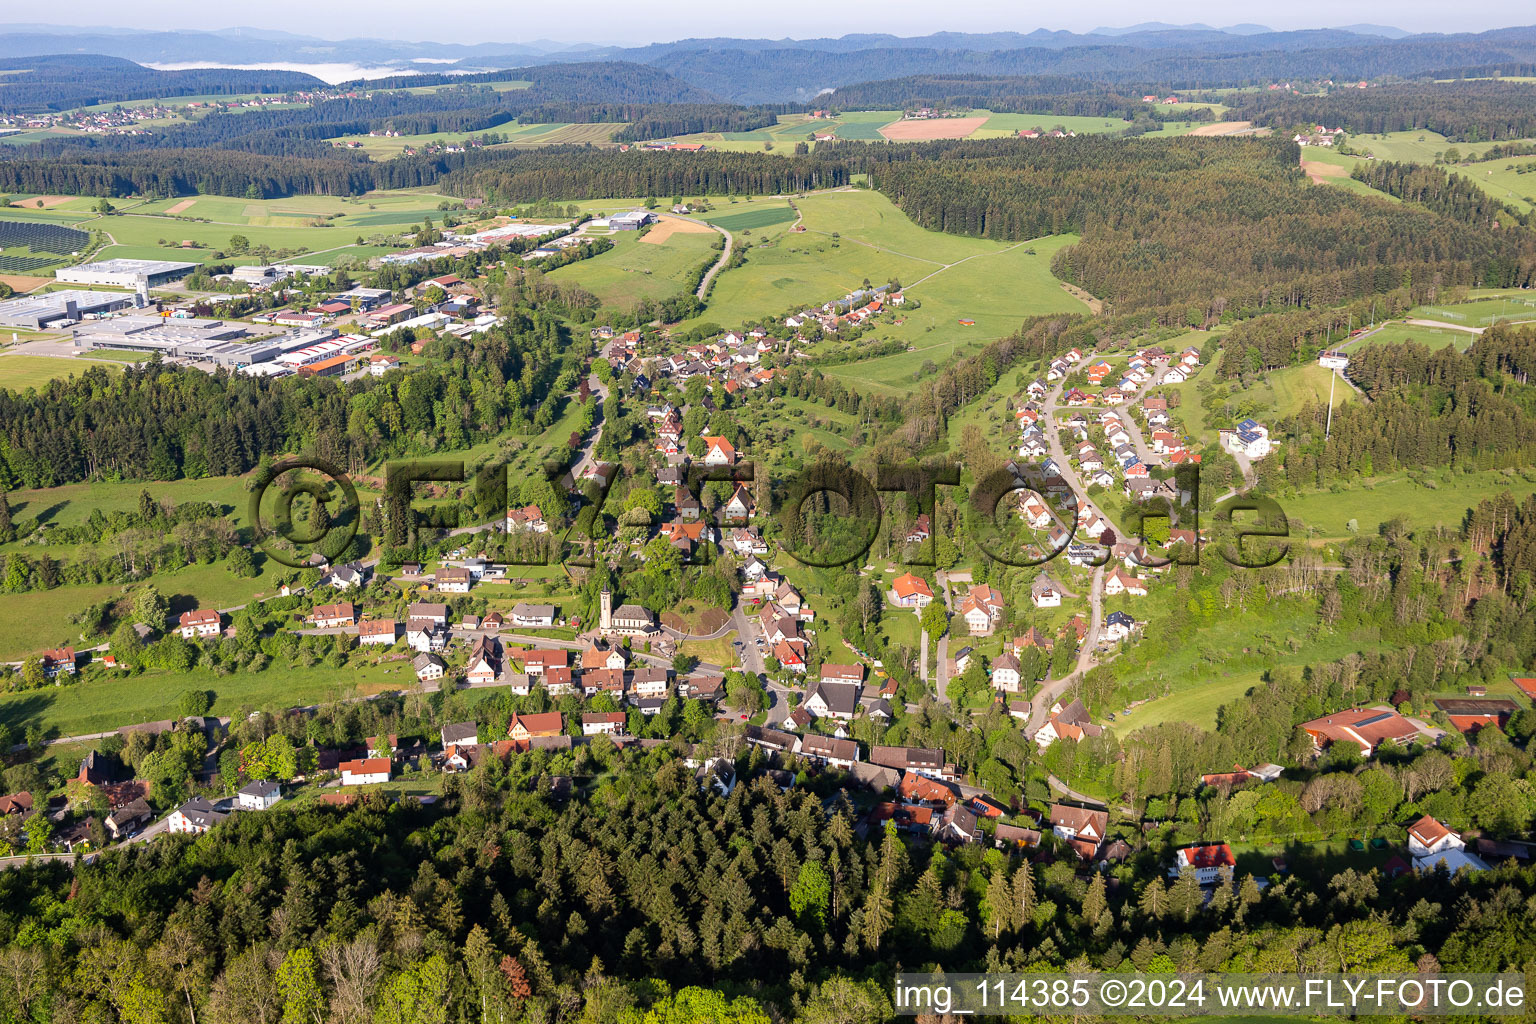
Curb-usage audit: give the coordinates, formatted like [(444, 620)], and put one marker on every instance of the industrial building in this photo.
[(195, 339), (38, 311), (634, 220), (125, 273)]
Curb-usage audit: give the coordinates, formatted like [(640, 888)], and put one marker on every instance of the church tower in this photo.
[(605, 614)]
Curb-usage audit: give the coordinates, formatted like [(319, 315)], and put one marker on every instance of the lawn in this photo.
[(1371, 503), (635, 268), (97, 701), (19, 372)]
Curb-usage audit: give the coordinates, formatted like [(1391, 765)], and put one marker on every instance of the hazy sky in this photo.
[(620, 21)]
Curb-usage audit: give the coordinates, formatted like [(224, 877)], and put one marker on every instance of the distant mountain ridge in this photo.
[(1156, 55)]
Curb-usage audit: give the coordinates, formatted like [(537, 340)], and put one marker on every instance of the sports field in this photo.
[(1513, 306)]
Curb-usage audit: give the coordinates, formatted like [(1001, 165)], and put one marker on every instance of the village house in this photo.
[(533, 616), (604, 723), (526, 727), (376, 631), (538, 662), (201, 623), (259, 795), (911, 591), (1206, 860), (839, 700), (528, 519), (195, 817), (59, 659), (1067, 723), (1121, 582), (425, 636), (1083, 828), (333, 616), (484, 663), (1118, 626), (718, 452), (651, 683), (921, 760), (1433, 846), (1005, 673), (366, 771), (435, 613), (838, 753), (453, 580), (429, 667), (1044, 592), (601, 656), (981, 608)]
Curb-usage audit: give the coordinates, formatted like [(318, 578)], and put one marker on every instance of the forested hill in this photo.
[(1025, 94), (62, 82), (1207, 222), (1461, 111)]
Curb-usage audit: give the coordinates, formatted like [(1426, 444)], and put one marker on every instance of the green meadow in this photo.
[(635, 268), (856, 235), (19, 372), (1441, 500)]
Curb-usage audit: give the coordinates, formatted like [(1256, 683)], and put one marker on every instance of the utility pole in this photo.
[(1332, 383)]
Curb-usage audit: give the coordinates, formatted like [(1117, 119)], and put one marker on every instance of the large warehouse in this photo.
[(38, 311), (126, 273)]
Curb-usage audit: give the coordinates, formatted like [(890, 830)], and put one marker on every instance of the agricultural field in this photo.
[(19, 372), (637, 268), (329, 224)]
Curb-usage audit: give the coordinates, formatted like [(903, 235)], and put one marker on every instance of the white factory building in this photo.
[(125, 273)]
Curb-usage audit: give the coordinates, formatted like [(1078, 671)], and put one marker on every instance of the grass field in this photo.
[(1503, 180), (1433, 337), (1481, 312), (98, 702), (763, 217), (517, 135), (1285, 392), (634, 269), (1196, 706), (18, 372), (1371, 503), (856, 235)]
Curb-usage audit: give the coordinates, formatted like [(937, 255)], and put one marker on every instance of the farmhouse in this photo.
[(1206, 861)]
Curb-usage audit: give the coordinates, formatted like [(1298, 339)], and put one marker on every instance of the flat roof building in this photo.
[(37, 311), (126, 273)]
